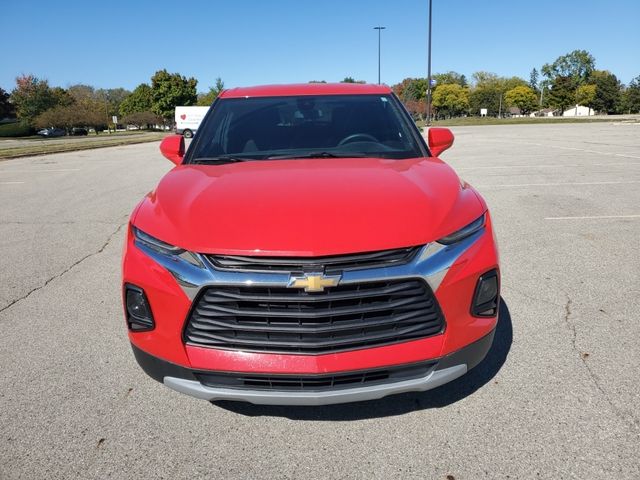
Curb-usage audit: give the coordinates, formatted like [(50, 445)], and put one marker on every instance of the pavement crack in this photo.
[(625, 416), (569, 323), (66, 270)]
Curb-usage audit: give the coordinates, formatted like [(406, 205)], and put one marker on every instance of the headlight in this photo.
[(464, 232), (154, 243), (176, 253)]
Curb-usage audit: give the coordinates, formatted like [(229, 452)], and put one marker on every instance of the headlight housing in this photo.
[(155, 244), (464, 232), (164, 248)]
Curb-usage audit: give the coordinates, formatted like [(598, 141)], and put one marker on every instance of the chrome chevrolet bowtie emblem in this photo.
[(314, 282)]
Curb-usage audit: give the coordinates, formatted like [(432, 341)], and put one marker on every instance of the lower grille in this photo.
[(344, 317), (316, 382)]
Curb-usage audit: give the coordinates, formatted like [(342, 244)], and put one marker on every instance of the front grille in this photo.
[(328, 264), (315, 382), (345, 317)]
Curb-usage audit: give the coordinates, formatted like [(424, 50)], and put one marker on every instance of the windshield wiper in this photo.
[(319, 154), (221, 160)]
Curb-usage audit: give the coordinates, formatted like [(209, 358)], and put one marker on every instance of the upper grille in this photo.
[(316, 382), (344, 317), (329, 264)]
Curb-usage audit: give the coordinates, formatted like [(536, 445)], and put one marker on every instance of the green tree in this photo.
[(207, 99), (632, 96), (484, 97), (82, 114), (522, 97), (348, 80), (562, 93), (142, 119), (169, 90), (31, 97), (485, 93), (449, 77), (483, 78), (6, 107), (140, 100), (508, 83), (577, 66), (488, 91), (62, 97), (411, 89), (534, 76), (451, 99), (81, 92), (608, 97), (586, 95), (113, 97)]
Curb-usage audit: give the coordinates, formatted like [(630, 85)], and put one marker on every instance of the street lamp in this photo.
[(379, 28), (429, 71)]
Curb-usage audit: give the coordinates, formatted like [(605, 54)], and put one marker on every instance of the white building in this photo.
[(578, 111), (545, 112)]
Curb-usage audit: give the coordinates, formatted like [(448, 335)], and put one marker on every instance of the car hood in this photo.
[(307, 207)]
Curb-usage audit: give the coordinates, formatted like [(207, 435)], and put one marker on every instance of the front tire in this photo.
[(187, 133)]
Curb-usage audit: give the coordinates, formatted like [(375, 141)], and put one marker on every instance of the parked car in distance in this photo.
[(188, 120), (79, 131), (52, 132), (310, 248)]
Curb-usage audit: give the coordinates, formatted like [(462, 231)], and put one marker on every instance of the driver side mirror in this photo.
[(172, 147), (439, 140)]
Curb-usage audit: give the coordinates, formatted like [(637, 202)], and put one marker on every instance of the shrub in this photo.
[(15, 129)]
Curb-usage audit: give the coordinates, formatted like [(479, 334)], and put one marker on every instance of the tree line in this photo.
[(35, 104), (570, 80)]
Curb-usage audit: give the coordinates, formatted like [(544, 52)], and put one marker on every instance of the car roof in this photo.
[(307, 89)]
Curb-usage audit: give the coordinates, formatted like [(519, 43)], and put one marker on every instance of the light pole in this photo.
[(429, 71), (379, 28)]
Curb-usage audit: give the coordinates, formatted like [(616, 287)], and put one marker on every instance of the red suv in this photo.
[(309, 248)]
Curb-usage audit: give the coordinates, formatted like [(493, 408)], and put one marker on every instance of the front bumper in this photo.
[(445, 369), (172, 284)]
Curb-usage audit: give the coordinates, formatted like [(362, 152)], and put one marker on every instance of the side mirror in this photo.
[(439, 140), (172, 147)]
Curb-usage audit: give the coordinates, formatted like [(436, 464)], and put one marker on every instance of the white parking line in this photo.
[(592, 217), (41, 171), (554, 184), (10, 183), (559, 165), (560, 147)]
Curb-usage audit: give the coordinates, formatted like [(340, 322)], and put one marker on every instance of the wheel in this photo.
[(358, 137), (187, 133)]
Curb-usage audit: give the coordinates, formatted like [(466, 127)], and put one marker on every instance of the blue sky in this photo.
[(119, 43)]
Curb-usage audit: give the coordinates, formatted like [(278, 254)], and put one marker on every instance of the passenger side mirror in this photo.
[(172, 147), (439, 140)]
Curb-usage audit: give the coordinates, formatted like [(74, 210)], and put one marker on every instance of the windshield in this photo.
[(239, 129)]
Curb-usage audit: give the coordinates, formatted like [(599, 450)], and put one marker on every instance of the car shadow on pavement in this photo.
[(403, 403)]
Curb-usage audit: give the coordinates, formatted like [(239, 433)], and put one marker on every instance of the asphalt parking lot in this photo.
[(557, 397)]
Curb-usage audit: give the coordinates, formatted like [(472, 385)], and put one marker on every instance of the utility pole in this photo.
[(429, 71), (106, 111), (379, 28)]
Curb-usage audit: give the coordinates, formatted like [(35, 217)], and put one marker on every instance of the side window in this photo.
[(214, 135)]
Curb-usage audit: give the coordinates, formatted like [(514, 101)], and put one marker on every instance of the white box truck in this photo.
[(188, 120)]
